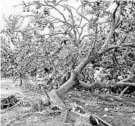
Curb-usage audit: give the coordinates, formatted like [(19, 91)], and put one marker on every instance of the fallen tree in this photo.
[(71, 33), (93, 54), (91, 58)]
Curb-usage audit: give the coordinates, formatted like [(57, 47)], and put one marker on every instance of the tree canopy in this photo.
[(55, 37)]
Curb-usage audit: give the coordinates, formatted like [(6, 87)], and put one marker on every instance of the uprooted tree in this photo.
[(60, 37)]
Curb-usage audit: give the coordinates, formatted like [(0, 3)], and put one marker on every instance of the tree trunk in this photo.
[(71, 81), (92, 56), (67, 85)]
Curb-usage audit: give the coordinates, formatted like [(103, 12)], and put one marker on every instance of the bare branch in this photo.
[(73, 21), (52, 35), (81, 31), (83, 17), (125, 89), (56, 10), (93, 34), (113, 26), (80, 20), (59, 2)]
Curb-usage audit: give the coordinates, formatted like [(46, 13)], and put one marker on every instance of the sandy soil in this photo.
[(9, 87), (115, 113)]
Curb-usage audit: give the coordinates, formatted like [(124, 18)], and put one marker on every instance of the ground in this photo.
[(114, 112)]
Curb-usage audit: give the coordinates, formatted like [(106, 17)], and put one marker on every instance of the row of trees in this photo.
[(58, 38)]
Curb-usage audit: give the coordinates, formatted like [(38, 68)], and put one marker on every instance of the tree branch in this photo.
[(113, 26)]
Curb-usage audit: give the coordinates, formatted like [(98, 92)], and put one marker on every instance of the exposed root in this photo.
[(101, 120), (125, 89), (55, 100), (109, 85), (19, 103)]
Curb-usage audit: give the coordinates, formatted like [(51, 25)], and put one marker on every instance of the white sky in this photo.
[(6, 7)]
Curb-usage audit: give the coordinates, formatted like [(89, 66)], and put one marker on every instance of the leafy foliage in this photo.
[(52, 37)]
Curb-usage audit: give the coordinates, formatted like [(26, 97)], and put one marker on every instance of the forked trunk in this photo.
[(90, 58), (71, 81)]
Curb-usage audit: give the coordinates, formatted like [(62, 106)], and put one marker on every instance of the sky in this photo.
[(6, 8)]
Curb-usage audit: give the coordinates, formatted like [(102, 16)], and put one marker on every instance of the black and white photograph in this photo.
[(67, 62)]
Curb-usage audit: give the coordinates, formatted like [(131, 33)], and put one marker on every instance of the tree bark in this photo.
[(71, 81), (89, 59), (92, 56)]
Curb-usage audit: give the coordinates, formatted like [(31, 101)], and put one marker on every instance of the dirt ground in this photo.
[(113, 112)]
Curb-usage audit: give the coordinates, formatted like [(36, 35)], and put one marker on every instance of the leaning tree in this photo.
[(95, 33)]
